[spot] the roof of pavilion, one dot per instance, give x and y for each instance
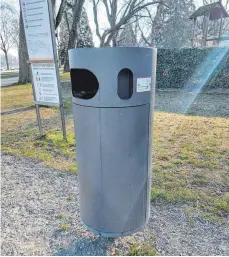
(215, 10)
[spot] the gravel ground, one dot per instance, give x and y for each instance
(34, 196)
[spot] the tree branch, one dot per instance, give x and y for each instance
(60, 13)
(67, 22)
(143, 37)
(108, 12)
(95, 6)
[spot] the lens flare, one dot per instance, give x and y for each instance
(202, 74)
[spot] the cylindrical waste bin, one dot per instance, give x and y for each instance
(113, 92)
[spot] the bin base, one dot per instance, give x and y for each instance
(117, 234)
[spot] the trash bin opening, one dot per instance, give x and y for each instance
(125, 84)
(84, 83)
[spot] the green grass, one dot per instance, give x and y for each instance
(69, 198)
(145, 249)
(65, 76)
(136, 248)
(173, 195)
(61, 215)
(64, 227)
(51, 149)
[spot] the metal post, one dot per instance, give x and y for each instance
(39, 119)
(220, 27)
(36, 105)
(193, 32)
(57, 69)
(205, 32)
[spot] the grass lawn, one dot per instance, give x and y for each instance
(16, 97)
(191, 162)
(191, 152)
(65, 76)
(21, 96)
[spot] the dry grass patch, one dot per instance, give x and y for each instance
(16, 97)
(191, 161)
(21, 96)
(23, 120)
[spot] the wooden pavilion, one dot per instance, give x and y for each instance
(215, 13)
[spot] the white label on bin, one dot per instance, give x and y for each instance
(143, 84)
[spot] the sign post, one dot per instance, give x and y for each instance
(36, 105)
(57, 68)
(41, 44)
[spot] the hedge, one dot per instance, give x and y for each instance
(190, 67)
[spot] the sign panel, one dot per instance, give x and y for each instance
(38, 35)
(45, 83)
(40, 38)
(143, 84)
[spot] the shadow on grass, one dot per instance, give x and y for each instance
(18, 110)
(204, 104)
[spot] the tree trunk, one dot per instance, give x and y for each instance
(7, 61)
(114, 40)
(24, 74)
(74, 30)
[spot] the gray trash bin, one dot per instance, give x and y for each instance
(113, 91)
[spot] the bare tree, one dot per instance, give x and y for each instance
(154, 23)
(15, 30)
(6, 33)
(169, 26)
(117, 17)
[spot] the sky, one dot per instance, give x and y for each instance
(88, 7)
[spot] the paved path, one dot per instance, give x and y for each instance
(34, 196)
(8, 81)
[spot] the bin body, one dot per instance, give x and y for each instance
(113, 94)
